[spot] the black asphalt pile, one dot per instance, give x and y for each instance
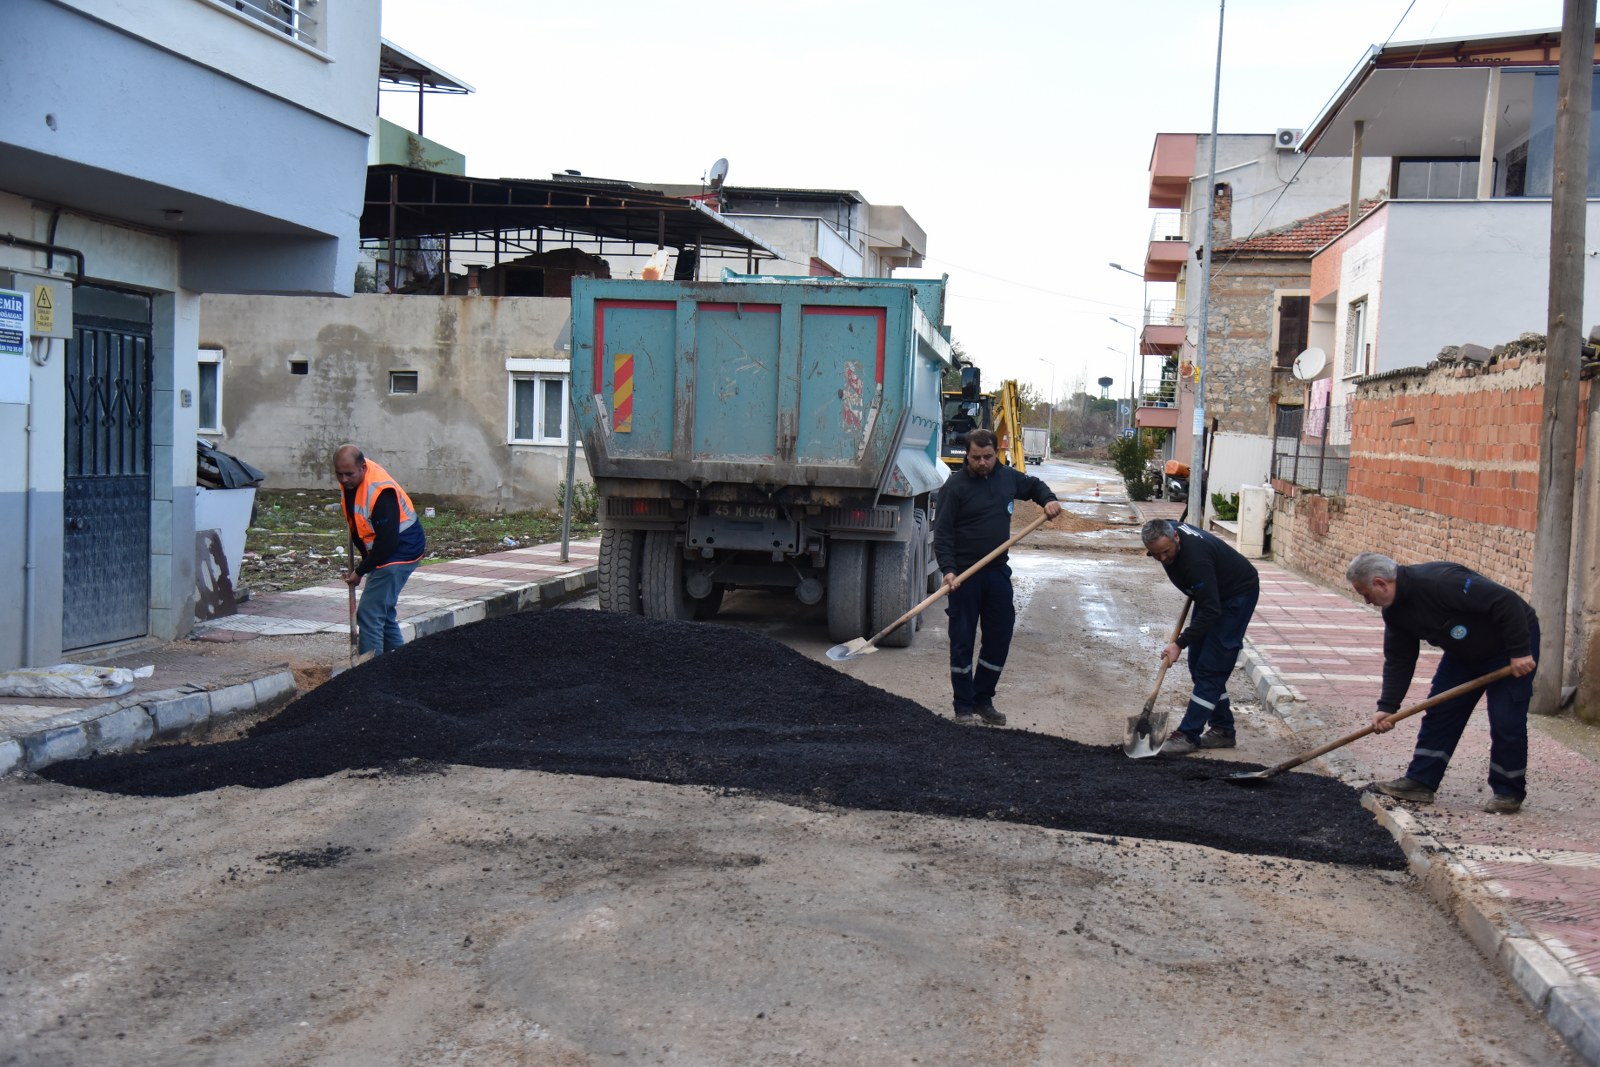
(619, 696)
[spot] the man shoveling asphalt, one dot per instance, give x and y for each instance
(1225, 588)
(1482, 626)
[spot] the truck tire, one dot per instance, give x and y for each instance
(661, 587)
(847, 590)
(895, 581)
(618, 573)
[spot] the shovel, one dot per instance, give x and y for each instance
(866, 646)
(1257, 777)
(1147, 731)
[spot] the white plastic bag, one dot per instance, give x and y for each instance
(70, 680)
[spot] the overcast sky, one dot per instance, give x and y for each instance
(1018, 134)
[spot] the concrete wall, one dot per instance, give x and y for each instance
(1457, 271)
(1258, 172)
(450, 439)
(248, 148)
(334, 77)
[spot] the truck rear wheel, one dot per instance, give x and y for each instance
(618, 573)
(895, 582)
(661, 592)
(847, 590)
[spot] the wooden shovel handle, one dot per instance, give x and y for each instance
(939, 594)
(1150, 702)
(1448, 694)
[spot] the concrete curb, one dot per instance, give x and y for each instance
(131, 722)
(1568, 1002)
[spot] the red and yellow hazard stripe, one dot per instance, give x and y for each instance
(622, 392)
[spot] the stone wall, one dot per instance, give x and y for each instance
(1239, 358)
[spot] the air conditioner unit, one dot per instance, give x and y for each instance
(1286, 139)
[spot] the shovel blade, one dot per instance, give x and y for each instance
(851, 649)
(1146, 734)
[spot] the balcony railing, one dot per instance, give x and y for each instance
(1311, 448)
(1167, 226)
(1164, 313)
(292, 18)
(1162, 394)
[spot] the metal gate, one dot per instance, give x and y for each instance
(106, 499)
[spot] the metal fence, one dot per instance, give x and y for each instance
(1311, 448)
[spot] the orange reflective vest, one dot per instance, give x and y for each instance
(375, 481)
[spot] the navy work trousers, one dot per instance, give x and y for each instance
(1508, 723)
(984, 599)
(1211, 660)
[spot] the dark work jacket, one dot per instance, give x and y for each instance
(1471, 617)
(974, 514)
(1210, 570)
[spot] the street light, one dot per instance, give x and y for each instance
(1144, 316)
(1131, 349)
(1050, 408)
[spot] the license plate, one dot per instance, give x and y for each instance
(765, 512)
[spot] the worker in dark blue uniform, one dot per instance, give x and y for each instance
(1225, 588)
(973, 519)
(1482, 626)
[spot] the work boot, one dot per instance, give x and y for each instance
(990, 714)
(1503, 804)
(1405, 789)
(1179, 743)
(966, 717)
(1218, 739)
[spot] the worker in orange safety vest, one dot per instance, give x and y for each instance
(387, 533)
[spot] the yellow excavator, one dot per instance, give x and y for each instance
(969, 408)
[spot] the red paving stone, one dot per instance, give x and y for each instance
(1543, 865)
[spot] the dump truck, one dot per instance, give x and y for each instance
(768, 432)
(969, 408)
(1035, 444)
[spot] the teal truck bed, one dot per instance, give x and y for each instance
(763, 431)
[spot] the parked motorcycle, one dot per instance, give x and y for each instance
(1175, 481)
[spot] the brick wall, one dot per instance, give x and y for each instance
(1444, 464)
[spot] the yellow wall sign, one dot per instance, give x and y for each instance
(44, 310)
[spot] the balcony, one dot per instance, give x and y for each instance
(1164, 328)
(1158, 407)
(1168, 250)
(1171, 167)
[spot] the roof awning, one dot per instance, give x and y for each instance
(1426, 98)
(397, 65)
(404, 203)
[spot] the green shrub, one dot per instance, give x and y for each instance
(1131, 457)
(1225, 507)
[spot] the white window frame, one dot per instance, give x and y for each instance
(208, 357)
(395, 379)
(1357, 354)
(537, 371)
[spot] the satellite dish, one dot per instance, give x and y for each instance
(1311, 365)
(1192, 337)
(719, 173)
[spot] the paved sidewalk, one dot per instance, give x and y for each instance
(196, 685)
(1525, 887)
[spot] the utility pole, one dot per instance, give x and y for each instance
(1558, 428)
(1197, 469)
